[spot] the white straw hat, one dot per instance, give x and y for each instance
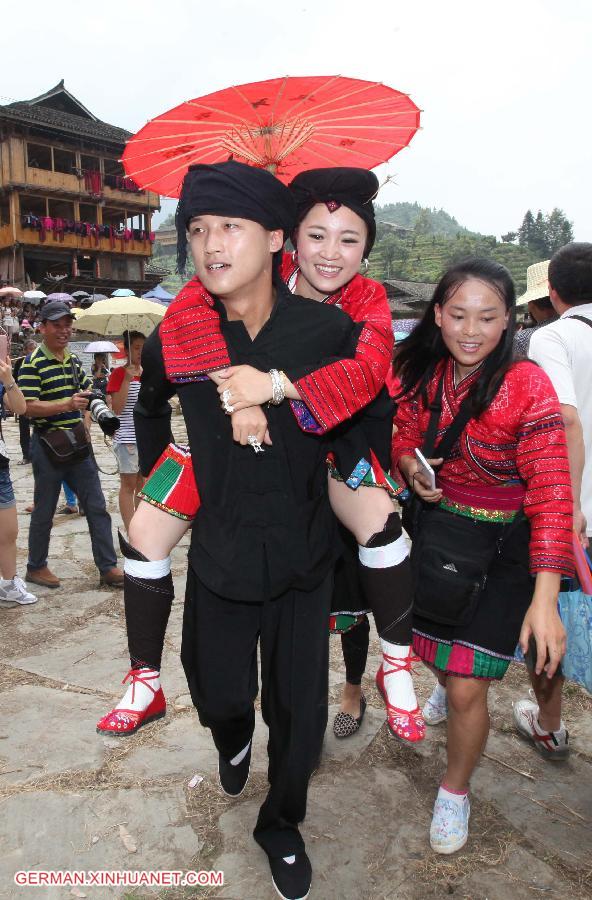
(537, 283)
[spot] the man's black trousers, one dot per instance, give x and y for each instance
(219, 655)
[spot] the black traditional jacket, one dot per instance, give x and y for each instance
(264, 525)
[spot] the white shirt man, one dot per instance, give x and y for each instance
(564, 350)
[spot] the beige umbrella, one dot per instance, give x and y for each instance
(114, 316)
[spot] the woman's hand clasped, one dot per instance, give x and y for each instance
(132, 371)
(246, 386)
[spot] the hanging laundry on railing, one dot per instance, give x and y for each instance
(93, 181)
(58, 229)
(46, 225)
(123, 183)
(31, 221)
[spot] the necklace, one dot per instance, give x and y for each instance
(456, 378)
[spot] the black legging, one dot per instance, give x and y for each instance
(354, 645)
(25, 436)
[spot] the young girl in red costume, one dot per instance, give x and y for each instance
(495, 533)
(336, 230)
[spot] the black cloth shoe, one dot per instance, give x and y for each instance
(233, 779)
(291, 880)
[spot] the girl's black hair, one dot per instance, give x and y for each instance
(129, 336)
(422, 350)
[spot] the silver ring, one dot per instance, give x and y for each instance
(228, 409)
(255, 444)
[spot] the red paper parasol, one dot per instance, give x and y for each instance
(285, 125)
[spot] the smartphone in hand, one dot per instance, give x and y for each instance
(425, 469)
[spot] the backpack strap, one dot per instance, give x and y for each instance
(435, 408)
(582, 319)
(453, 431)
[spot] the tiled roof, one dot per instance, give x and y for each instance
(413, 290)
(55, 120)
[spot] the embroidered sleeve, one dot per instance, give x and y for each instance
(335, 392)
(543, 464)
(407, 431)
(152, 412)
(191, 336)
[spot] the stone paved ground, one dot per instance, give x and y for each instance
(70, 799)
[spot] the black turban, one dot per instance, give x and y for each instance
(338, 186)
(232, 189)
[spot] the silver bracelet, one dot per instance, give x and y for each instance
(9, 387)
(277, 387)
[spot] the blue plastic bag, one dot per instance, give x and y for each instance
(575, 609)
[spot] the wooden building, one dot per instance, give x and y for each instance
(166, 236)
(408, 299)
(69, 218)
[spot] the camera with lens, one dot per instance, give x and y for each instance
(101, 414)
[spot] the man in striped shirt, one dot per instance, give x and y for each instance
(53, 383)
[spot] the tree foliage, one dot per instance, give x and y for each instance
(544, 234)
(428, 241)
(168, 222)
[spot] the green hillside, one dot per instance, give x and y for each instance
(414, 216)
(424, 258)
(431, 241)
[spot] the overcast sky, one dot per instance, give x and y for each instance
(504, 86)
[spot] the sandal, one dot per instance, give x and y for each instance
(344, 724)
(127, 721)
(407, 725)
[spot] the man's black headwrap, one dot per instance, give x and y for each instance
(335, 187)
(232, 189)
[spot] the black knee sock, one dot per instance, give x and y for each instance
(148, 603)
(389, 588)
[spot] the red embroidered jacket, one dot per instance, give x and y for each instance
(519, 438)
(194, 346)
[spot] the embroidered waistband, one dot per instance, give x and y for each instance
(491, 498)
(478, 512)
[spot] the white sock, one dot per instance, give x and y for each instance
(539, 730)
(398, 685)
(290, 859)
(142, 695)
(457, 796)
(240, 756)
(147, 569)
(439, 693)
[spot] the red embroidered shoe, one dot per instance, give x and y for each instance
(127, 721)
(407, 725)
